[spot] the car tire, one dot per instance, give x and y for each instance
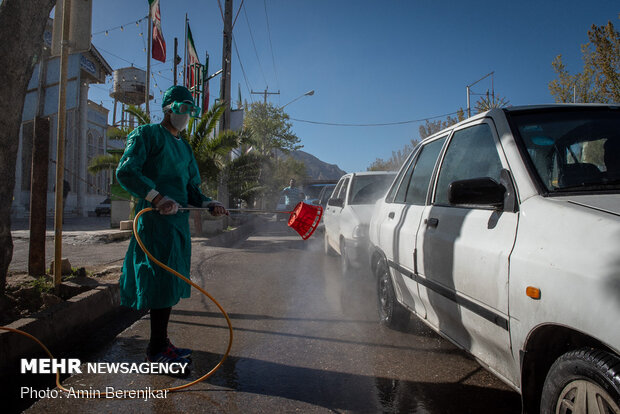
(391, 313)
(582, 379)
(327, 248)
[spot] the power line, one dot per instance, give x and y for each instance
(412, 121)
(273, 59)
(118, 57)
(238, 11)
(254, 44)
(142, 37)
(122, 26)
(133, 64)
(221, 11)
(242, 70)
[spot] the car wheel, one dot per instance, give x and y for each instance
(581, 382)
(391, 313)
(328, 250)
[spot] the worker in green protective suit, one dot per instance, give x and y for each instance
(159, 169)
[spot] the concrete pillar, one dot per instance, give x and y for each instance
(82, 142)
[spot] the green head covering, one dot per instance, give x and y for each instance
(177, 93)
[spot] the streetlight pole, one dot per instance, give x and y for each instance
(309, 93)
(469, 91)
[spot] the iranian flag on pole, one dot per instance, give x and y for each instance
(159, 44)
(192, 59)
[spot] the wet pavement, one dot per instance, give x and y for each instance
(306, 339)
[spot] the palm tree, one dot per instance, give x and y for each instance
(486, 103)
(212, 152)
(246, 176)
(109, 161)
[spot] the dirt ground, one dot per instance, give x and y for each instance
(26, 295)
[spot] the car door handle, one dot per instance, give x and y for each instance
(432, 222)
(391, 215)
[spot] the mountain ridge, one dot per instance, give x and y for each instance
(315, 168)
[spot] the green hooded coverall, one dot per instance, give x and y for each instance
(156, 159)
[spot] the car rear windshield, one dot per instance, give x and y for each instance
(313, 190)
(572, 150)
(367, 189)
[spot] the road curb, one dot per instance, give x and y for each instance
(53, 325)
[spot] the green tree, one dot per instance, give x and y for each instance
(395, 161)
(270, 128)
(212, 151)
(245, 176)
(599, 80)
(269, 168)
(109, 161)
(431, 127)
(284, 169)
(22, 23)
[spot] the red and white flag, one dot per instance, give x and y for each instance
(192, 70)
(159, 44)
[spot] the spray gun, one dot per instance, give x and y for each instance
(304, 218)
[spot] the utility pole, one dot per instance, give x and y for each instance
(226, 56)
(38, 183)
(60, 150)
(177, 59)
(222, 188)
(265, 93)
(468, 87)
(185, 54)
(148, 63)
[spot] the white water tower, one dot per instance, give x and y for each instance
(128, 89)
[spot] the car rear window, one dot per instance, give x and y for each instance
(367, 189)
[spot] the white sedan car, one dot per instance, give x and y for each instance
(348, 213)
(502, 233)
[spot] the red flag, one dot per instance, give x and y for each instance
(159, 44)
(192, 69)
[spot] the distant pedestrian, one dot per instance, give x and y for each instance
(292, 195)
(66, 188)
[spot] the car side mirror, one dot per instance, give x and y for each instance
(482, 191)
(336, 202)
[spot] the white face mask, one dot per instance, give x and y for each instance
(179, 121)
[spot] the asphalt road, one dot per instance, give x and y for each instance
(306, 340)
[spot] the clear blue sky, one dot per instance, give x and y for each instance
(368, 61)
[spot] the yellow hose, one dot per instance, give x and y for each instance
(177, 274)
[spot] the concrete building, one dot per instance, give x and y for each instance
(87, 123)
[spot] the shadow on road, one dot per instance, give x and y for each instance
(349, 392)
